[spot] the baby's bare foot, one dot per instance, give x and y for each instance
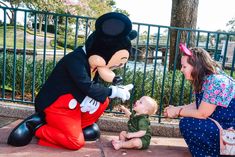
(116, 144)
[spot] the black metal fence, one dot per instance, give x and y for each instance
(27, 55)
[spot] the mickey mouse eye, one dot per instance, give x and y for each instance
(121, 65)
(124, 59)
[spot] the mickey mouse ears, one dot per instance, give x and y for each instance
(113, 25)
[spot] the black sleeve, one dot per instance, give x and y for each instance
(79, 74)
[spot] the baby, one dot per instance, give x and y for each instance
(139, 132)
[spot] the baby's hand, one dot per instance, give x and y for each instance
(125, 110)
(122, 108)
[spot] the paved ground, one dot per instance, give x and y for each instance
(160, 146)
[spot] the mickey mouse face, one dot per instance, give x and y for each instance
(118, 60)
(108, 46)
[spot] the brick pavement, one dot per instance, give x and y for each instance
(160, 146)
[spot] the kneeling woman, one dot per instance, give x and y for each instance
(215, 92)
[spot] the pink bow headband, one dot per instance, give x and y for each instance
(185, 50)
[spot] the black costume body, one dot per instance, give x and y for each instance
(74, 76)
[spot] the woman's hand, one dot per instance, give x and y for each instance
(171, 111)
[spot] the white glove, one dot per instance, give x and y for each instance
(89, 105)
(121, 92)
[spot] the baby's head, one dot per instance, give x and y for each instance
(145, 105)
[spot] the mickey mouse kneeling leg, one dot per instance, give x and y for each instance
(23, 133)
(66, 124)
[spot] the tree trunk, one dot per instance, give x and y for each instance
(12, 19)
(40, 20)
(13, 5)
(184, 15)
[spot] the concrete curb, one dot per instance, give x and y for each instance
(106, 123)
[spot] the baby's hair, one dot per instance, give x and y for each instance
(154, 106)
(203, 65)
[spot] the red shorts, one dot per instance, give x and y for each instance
(65, 121)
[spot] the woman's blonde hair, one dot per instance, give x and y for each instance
(203, 65)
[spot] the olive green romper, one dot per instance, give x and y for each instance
(140, 122)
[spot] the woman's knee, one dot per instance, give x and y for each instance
(186, 123)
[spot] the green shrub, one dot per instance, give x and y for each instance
(142, 86)
(29, 74)
(156, 90)
(69, 42)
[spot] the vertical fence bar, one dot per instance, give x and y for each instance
(216, 45)
(207, 40)
(86, 32)
(155, 61)
(34, 56)
(55, 39)
(164, 77)
(14, 58)
(76, 33)
(44, 50)
(232, 70)
(225, 51)
(181, 89)
(4, 55)
(24, 57)
(198, 37)
(124, 73)
(175, 62)
(65, 35)
(146, 61)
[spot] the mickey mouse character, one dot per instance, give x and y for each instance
(72, 100)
